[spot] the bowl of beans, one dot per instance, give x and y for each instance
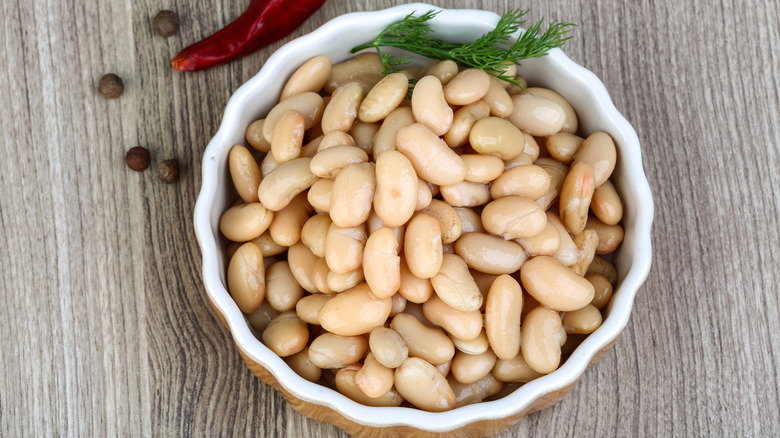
(439, 262)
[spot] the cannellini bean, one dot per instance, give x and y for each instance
(567, 252)
(354, 312)
(467, 87)
(327, 163)
(314, 231)
(341, 282)
(413, 288)
(482, 168)
(469, 393)
(365, 68)
(300, 363)
(514, 370)
(543, 336)
(330, 350)
(466, 194)
(555, 285)
(388, 347)
(254, 136)
(285, 229)
(528, 181)
(245, 173)
(502, 316)
(268, 165)
(498, 99)
(460, 325)
(449, 220)
(599, 151)
(396, 188)
(469, 368)
(286, 334)
(335, 138)
(571, 124)
(606, 204)
(260, 318)
(496, 136)
(545, 243)
(288, 136)
(513, 217)
(284, 183)
(602, 266)
(381, 263)
(386, 95)
(424, 195)
(477, 345)
(311, 76)
(462, 122)
(374, 379)
(245, 222)
(246, 277)
(586, 243)
(319, 276)
(583, 321)
(602, 290)
(308, 307)
(490, 254)
(470, 220)
(609, 236)
(384, 140)
(308, 103)
(562, 146)
(576, 194)
(346, 384)
(302, 261)
(281, 289)
(455, 285)
(364, 134)
(423, 246)
(536, 115)
(445, 71)
(432, 159)
(428, 343)
(352, 195)
(344, 248)
(342, 109)
(422, 385)
(429, 106)
(319, 194)
(374, 223)
(267, 245)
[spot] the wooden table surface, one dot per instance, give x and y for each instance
(106, 329)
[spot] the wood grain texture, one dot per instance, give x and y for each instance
(106, 328)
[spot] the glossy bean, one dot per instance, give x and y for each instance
(346, 384)
(543, 336)
(354, 312)
(490, 254)
(470, 220)
(554, 285)
(563, 145)
(449, 220)
(428, 343)
(314, 232)
(267, 245)
(341, 282)
(308, 307)
(467, 87)
(513, 217)
(308, 104)
(384, 97)
(319, 194)
(246, 277)
(288, 136)
(262, 316)
(475, 392)
(567, 252)
(352, 195)
(482, 168)
(245, 222)
(286, 334)
(281, 289)
(381, 263)
(422, 385)
(423, 246)
(384, 140)
(429, 106)
(586, 243)
(536, 115)
(583, 321)
(469, 368)
(364, 68)
(606, 204)
(424, 195)
(254, 136)
(413, 288)
(528, 181)
(545, 243)
(286, 227)
(335, 138)
(285, 182)
(496, 136)
(244, 172)
(327, 163)
(498, 99)
(599, 151)
(466, 194)
(455, 286)
(364, 133)
(432, 159)
(344, 248)
(300, 363)
(302, 261)
(396, 188)
(602, 290)
(388, 347)
(462, 122)
(319, 276)
(330, 350)
(502, 316)
(461, 325)
(373, 378)
(311, 76)
(602, 266)
(571, 124)
(576, 194)
(514, 370)
(477, 345)
(342, 109)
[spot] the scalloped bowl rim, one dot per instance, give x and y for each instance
(567, 374)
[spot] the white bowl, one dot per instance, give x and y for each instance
(596, 111)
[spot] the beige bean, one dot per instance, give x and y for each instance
(422, 385)
(396, 188)
(413, 288)
(267, 245)
(285, 229)
(245, 222)
(545, 243)
(513, 217)
(536, 115)
(319, 194)
(244, 172)
(571, 124)
(449, 220)
(563, 146)
(424, 195)
(327, 163)
(300, 363)
(602, 290)
(330, 350)
(469, 368)
(399, 304)
(432, 159)
(302, 261)
(319, 276)
(467, 87)
(531, 146)
(281, 289)
(606, 204)
(470, 220)
(520, 88)
(308, 103)
(462, 122)
(347, 385)
(460, 325)
(381, 263)
(286, 334)
(344, 248)
(352, 195)
(364, 68)
(490, 254)
(268, 165)
(423, 246)
(354, 312)
(514, 370)
(373, 378)
(415, 309)
(429, 106)
(314, 231)
(342, 109)
(599, 151)
(609, 236)
(521, 160)
(555, 285)
(384, 140)
(388, 347)
(470, 393)
(364, 134)
(260, 318)
(429, 343)
(254, 136)
(308, 307)
(576, 194)
(583, 321)
(567, 252)
(455, 285)
(311, 76)
(374, 222)
(602, 266)
(586, 243)
(543, 336)
(496, 136)
(477, 345)
(384, 97)
(502, 316)
(498, 99)
(466, 194)
(288, 136)
(528, 181)
(246, 277)
(279, 187)
(341, 282)
(335, 138)
(482, 168)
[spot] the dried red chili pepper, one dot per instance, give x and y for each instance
(264, 22)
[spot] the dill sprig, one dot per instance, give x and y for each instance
(491, 52)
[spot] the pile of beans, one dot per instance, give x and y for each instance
(430, 250)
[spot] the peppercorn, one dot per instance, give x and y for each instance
(137, 158)
(111, 86)
(168, 171)
(166, 23)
